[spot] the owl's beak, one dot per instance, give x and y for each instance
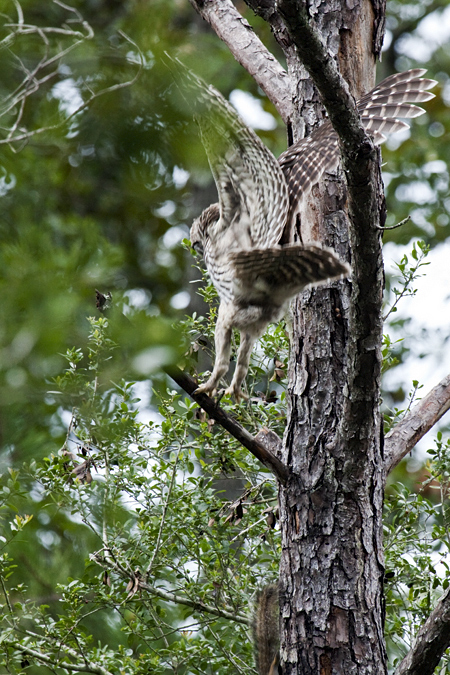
(197, 246)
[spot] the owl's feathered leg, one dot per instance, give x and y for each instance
(243, 360)
(223, 350)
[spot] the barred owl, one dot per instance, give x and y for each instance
(259, 197)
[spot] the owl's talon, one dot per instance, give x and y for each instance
(204, 389)
(237, 393)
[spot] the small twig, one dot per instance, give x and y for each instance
(252, 444)
(228, 655)
(105, 504)
(408, 279)
(164, 515)
(238, 536)
(26, 29)
(394, 227)
(412, 398)
(51, 662)
(5, 593)
(19, 12)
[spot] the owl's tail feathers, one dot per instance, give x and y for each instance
(271, 276)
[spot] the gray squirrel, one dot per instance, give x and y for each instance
(266, 631)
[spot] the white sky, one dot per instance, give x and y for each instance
(428, 309)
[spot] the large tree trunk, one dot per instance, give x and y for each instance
(331, 569)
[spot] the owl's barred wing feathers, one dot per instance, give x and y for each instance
(304, 162)
(253, 194)
(393, 98)
(259, 196)
(270, 275)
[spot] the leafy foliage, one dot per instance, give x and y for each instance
(417, 544)
(134, 531)
(173, 522)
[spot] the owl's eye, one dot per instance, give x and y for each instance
(197, 246)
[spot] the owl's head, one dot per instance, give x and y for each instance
(200, 227)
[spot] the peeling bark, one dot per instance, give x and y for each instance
(332, 560)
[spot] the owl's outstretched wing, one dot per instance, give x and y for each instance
(253, 193)
(258, 196)
(304, 162)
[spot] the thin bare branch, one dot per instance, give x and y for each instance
(403, 437)
(26, 29)
(431, 642)
(394, 227)
(164, 514)
(5, 593)
(19, 12)
(53, 662)
(252, 443)
(199, 606)
(141, 584)
(249, 51)
(26, 135)
(33, 79)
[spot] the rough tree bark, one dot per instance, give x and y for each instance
(331, 567)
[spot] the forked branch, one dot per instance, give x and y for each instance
(333, 89)
(55, 43)
(248, 50)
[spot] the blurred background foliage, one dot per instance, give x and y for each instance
(102, 199)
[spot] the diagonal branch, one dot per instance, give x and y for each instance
(197, 605)
(361, 166)
(258, 445)
(138, 582)
(403, 437)
(431, 642)
(248, 50)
